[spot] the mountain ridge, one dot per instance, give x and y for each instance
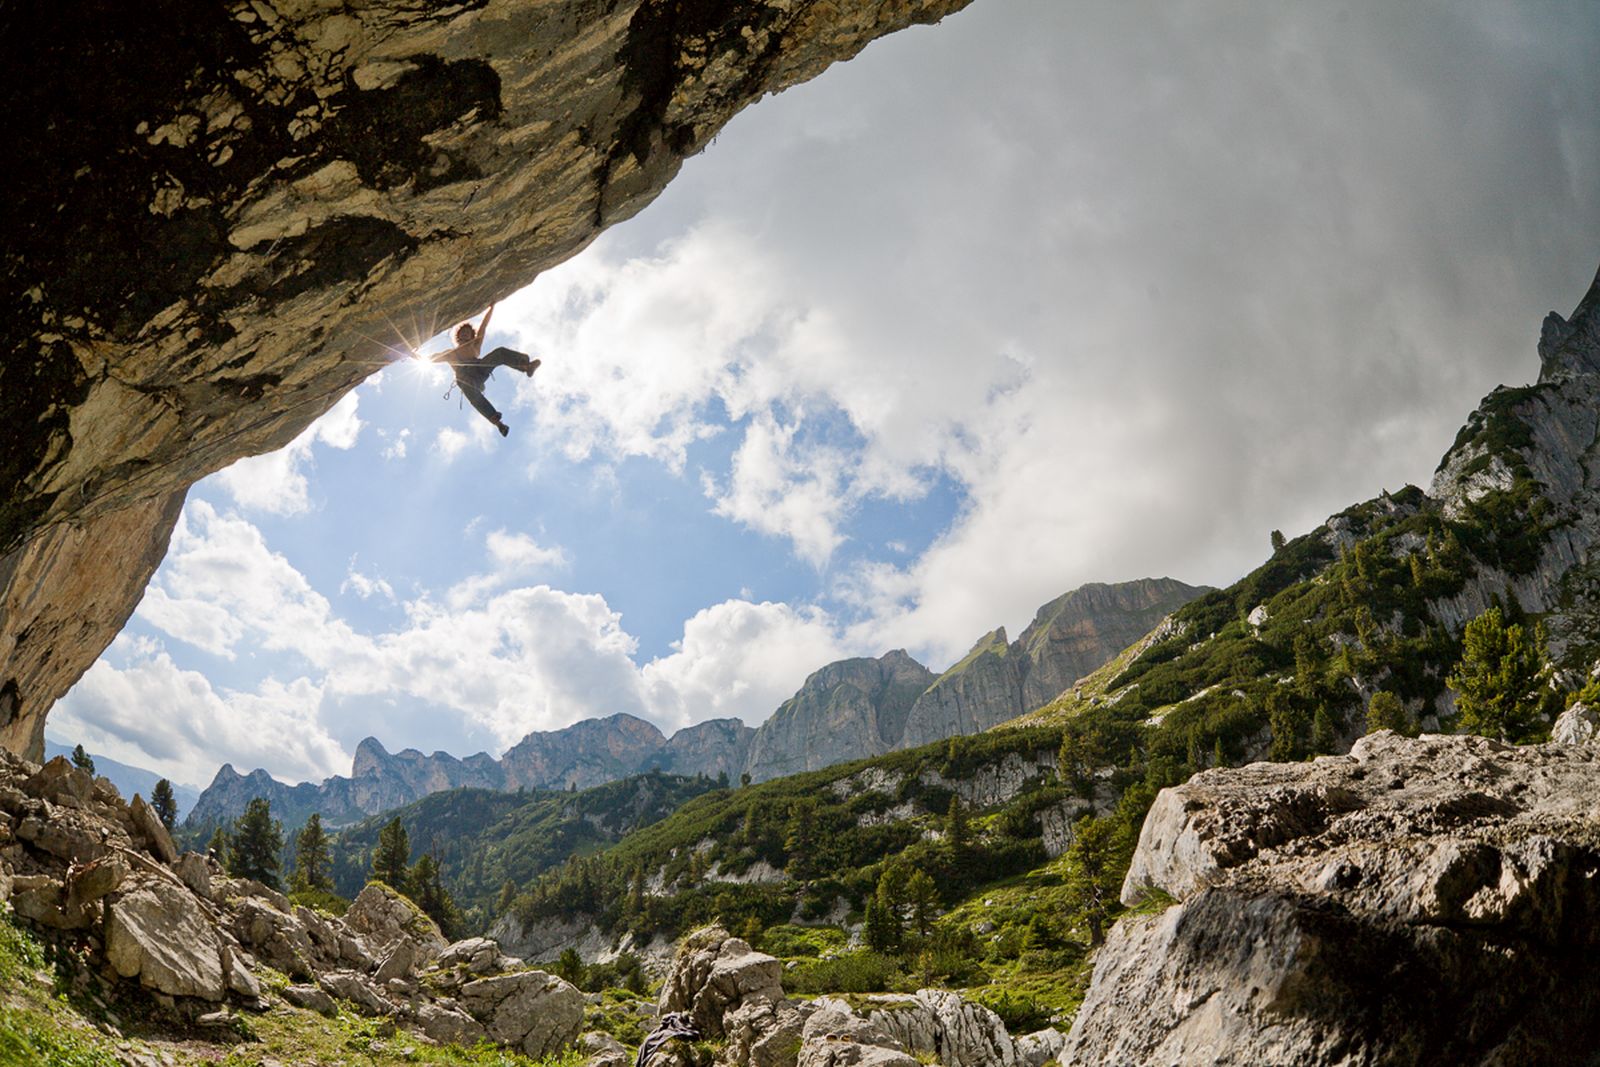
(844, 710)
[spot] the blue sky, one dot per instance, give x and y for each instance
(1043, 295)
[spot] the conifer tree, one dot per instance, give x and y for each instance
(427, 890)
(1288, 724)
(392, 858)
(1324, 739)
(1278, 541)
(82, 760)
(311, 861)
(570, 966)
(1305, 667)
(801, 842)
(923, 897)
(882, 930)
(257, 841)
(508, 894)
(1498, 679)
(1386, 712)
(958, 826)
(164, 803)
(1094, 871)
(218, 845)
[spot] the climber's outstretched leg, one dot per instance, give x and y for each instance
(510, 357)
(481, 405)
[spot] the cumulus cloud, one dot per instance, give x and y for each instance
(152, 713)
(276, 482)
(740, 659)
(512, 556)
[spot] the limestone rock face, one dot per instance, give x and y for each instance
(711, 748)
(535, 1012)
(1323, 905)
(157, 932)
(735, 993)
(846, 710)
(1070, 637)
(586, 753)
(220, 248)
(384, 918)
(1577, 725)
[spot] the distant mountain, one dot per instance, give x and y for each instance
(129, 780)
(1069, 638)
(844, 711)
(585, 754)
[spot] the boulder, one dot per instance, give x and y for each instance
(448, 1024)
(1576, 726)
(382, 917)
(44, 900)
(347, 985)
(275, 936)
(195, 872)
(156, 930)
(1040, 1047)
(153, 830)
(1323, 905)
(311, 998)
(399, 962)
(476, 955)
(735, 993)
(603, 1050)
(58, 780)
(937, 1021)
(73, 836)
(95, 880)
(531, 1011)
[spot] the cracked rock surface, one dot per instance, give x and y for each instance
(211, 235)
(1420, 901)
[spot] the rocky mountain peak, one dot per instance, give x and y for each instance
(1572, 346)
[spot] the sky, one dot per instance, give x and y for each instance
(1047, 294)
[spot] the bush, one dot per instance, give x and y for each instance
(864, 971)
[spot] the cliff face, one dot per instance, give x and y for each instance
(1068, 638)
(1322, 907)
(211, 234)
(584, 754)
(839, 714)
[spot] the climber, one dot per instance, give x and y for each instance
(473, 370)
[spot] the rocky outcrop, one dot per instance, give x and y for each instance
(713, 748)
(1322, 906)
(1542, 440)
(589, 752)
(242, 212)
(86, 868)
(1068, 638)
(734, 994)
(847, 710)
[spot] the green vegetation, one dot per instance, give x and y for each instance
(165, 804)
(311, 857)
(1500, 680)
(391, 862)
(82, 760)
(256, 842)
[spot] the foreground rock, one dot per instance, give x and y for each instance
(1325, 909)
(95, 874)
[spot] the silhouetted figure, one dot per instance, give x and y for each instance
(473, 370)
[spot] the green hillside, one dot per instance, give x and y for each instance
(483, 839)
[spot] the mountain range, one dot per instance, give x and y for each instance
(844, 711)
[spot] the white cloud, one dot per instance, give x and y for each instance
(364, 586)
(152, 713)
(785, 490)
(512, 557)
(276, 482)
(740, 659)
(396, 447)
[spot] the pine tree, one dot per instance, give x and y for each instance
(427, 890)
(391, 861)
(1094, 871)
(164, 803)
(1418, 575)
(958, 826)
(1278, 541)
(923, 897)
(570, 966)
(82, 760)
(1324, 739)
(508, 894)
(311, 861)
(1288, 724)
(257, 841)
(1219, 755)
(1498, 679)
(1385, 712)
(801, 842)
(217, 847)
(882, 932)
(1305, 667)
